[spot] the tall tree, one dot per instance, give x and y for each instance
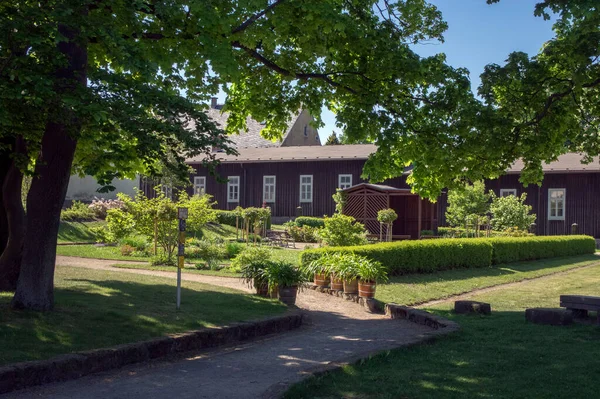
(111, 87)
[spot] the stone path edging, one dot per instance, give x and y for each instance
(76, 365)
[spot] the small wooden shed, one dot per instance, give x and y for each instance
(415, 214)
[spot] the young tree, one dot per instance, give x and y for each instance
(467, 205)
(510, 212)
(332, 139)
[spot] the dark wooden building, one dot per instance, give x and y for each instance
(289, 177)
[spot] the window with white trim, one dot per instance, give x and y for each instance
(306, 188)
(269, 188)
(344, 181)
(505, 192)
(556, 203)
(233, 189)
(199, 185)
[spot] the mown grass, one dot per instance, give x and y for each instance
(69, 232)
(114, 253)
(188, 269)
(98, 309)
(418, 288)
(497, 356)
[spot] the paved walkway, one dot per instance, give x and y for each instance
(336, 331)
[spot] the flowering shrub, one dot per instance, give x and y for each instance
(101, 206)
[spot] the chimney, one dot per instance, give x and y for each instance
(213, 102)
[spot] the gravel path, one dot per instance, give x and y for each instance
(335, 332)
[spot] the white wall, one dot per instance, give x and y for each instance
(84, 189)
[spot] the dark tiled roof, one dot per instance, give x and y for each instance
(301, 153)
(570, 162)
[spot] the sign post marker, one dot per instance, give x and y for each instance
(182, 214)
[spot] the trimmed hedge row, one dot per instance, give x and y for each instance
(425, 256)
(309, 221)
(515, 249)
(228, 218)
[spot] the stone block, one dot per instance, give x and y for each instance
(549, 316)
(466, 307)
(159, 347)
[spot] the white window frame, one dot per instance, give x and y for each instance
(310, 185)
(199, 185)
(564, 203)
(230, 198)
(346, 185)
(265, 185)
(505, 192)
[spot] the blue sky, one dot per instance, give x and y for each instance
(479, 34)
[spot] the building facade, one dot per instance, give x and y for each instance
(307, 177)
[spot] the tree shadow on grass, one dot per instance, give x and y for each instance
(494, 271)
(94, 313)
(500, 356)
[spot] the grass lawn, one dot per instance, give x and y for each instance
(418, 288)
(498, 356)
(187, 269)
(98, 309)
(114, 253)
(92, 251)
(77, 231)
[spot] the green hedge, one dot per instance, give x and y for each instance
(309, 221)
(406, 257)
(515, 249)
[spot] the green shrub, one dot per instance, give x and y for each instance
(405, 257)
(426, 232)
(309, 221)
(77, 212)
(302, 234)
(433, 255)
(250, 256)
(138, 243)
(127, 250)
(233, 249)
(515, 249)
(343, 230)
(511, 212)
(119, 224)
(101, 234)
(211, 253)
(162, 260)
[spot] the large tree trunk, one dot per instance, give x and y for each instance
(35, 288)
(10, 260)
(4, 166)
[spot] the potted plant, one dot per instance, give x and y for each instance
(284, 279)
(330, 263)
(319, 269)
(346, 269)
(370, 273)
(253, 275)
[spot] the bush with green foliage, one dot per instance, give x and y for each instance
(77, 212)
(515, 249)
(162, 260)
(200, 210)
(427, 256)
(119, 224)
(342, 230)
(228, 218)
(510, 212)
(250, 255)
(302, 221)
(212, 253)
(233, 249)
(101, 234)
(426, 232)
(468, 206)
(302, 234)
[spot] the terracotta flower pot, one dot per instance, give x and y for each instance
(366, 289)
(337, 284)
(288, 295)
(262, 287)
(351, 286)
(322, 280)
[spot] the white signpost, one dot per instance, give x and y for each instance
(182, 214)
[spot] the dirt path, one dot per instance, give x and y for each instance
(336, 331)
(498, 287)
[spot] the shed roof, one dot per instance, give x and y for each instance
(377, 187)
